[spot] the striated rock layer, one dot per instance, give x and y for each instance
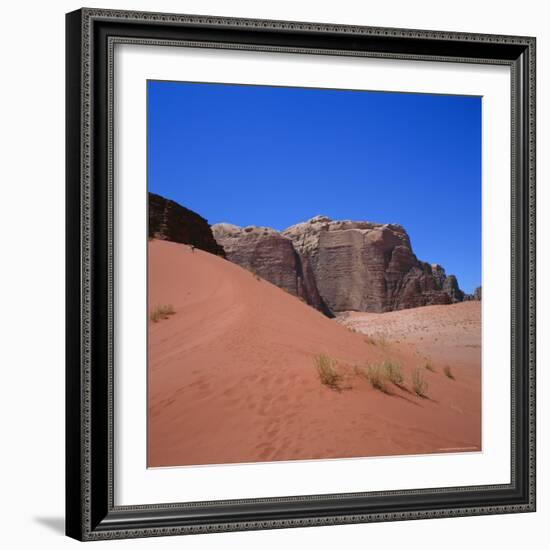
(339, 266)
(271, 256)
(170, 221)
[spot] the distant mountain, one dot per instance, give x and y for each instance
(475, 296)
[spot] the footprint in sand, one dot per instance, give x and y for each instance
(232, 402)
(228, 392)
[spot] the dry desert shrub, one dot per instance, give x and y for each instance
(420, 386)
(381, 340)
(377, 377)
(430, 367)
(393, 372)
(161, 312)
(448, 373)
(326, 368)
(377, 339)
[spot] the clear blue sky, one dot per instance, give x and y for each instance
(260, 155)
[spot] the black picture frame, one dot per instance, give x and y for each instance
(90, 510)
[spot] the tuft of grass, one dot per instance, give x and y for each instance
(448, 372)
(161, 312)
(430, 367)
(377, 339)
(377, 377)
(393, 372)
(420, 386)
(326, 368)
(382, 340)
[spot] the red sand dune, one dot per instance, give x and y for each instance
(232, 376)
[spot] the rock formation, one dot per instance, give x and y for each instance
(171, 222)
(475, 296)
(334, 266)
(340, 266)
(272, 256)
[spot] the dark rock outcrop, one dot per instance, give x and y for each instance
(340, 266)
(447, 283)
(450, 286)
(172, 222)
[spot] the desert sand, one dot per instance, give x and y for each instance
(231, 375)
(445, 334)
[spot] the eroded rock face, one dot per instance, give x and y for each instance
(334, 266)
(261, 250)
(340, 266)
(172, 222)
(364, 266)
(272, 256)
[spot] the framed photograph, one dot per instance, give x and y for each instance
(300, 274)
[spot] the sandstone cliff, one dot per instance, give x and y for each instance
(340, 266)
(334, 266)
(171, 222)
(273, 257)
